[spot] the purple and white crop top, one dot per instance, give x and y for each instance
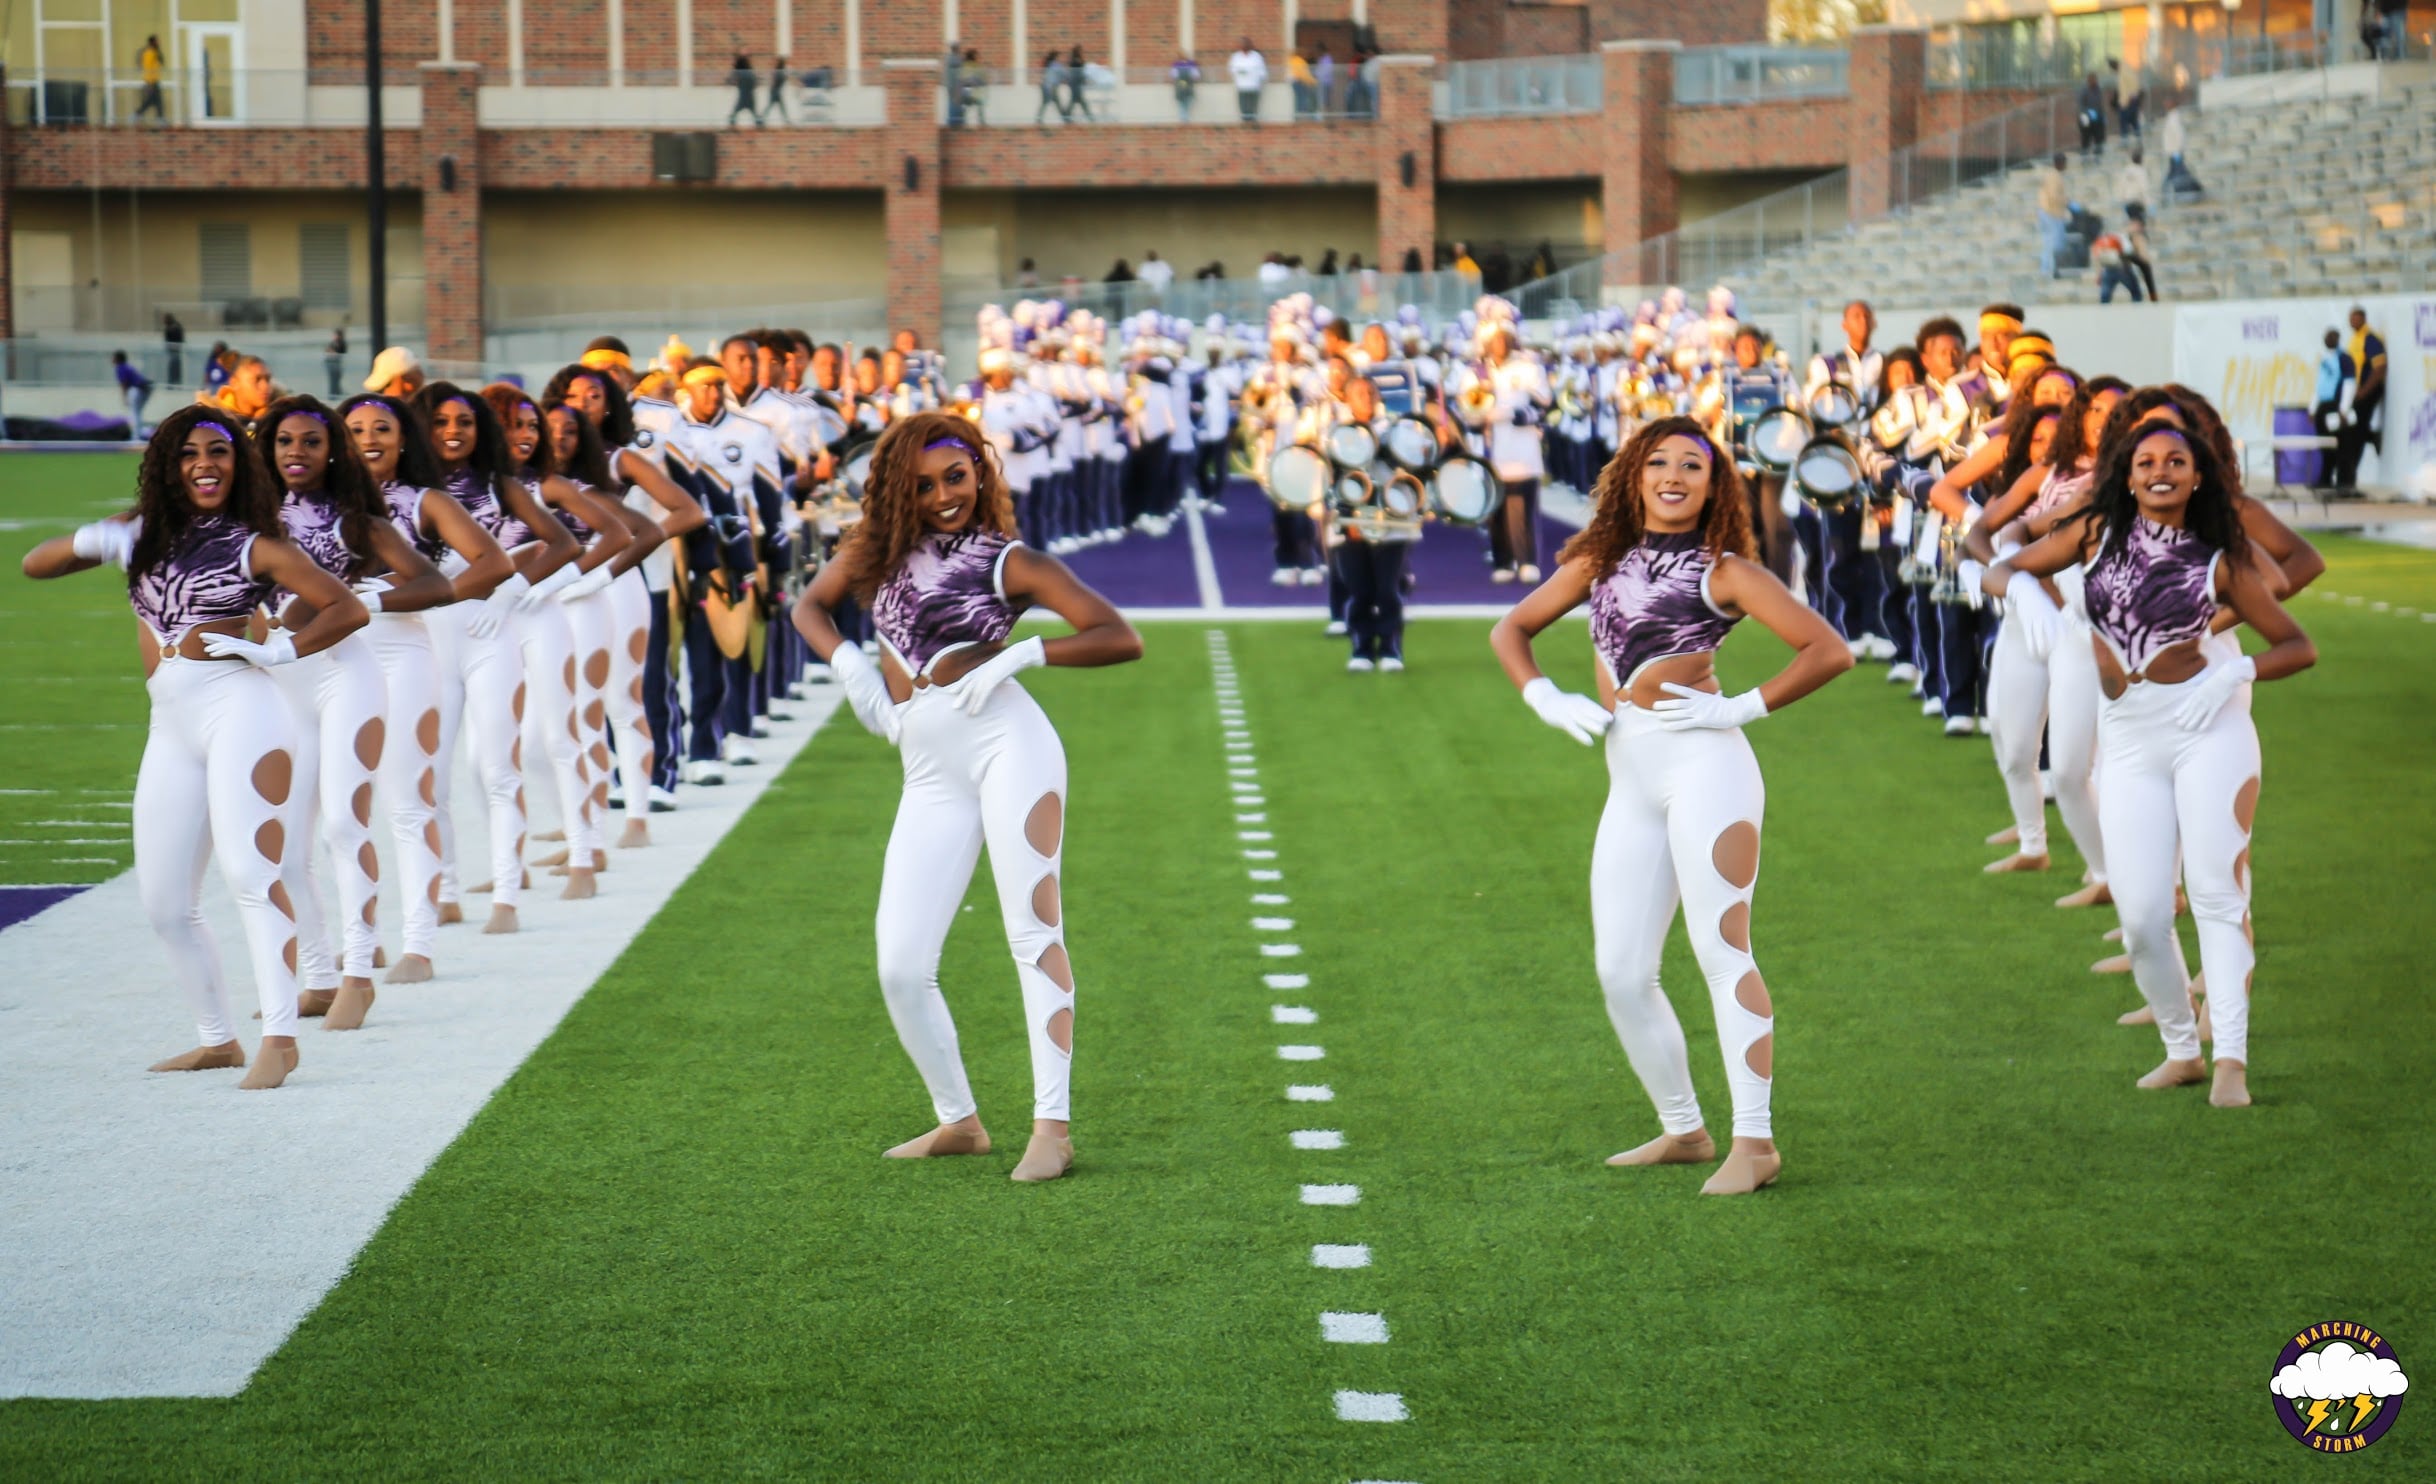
(314, 524)
(568, 518)
(406, 513)
(1655, 605)
(2154, 591)
(481, 501)
(2058, 491)
(206, 577)
(949, 592)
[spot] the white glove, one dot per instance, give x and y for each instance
(2027, 604)
(866, 692)
(279, 649)
(1577, 716)
(538, 593)
(1694, 709)
(2349, 417)
(111, 541)
(2210, 690)
(973, 691)
(1974, 574)
(588, 583)
(370, 590)
(497, 606)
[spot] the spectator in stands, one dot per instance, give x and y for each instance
(2054, 212)
(1463, 262)
(777, 95)
(1155, 275)
(1542, 262)
(1027, 276)
(1053, 88)
(1305, 86)
(215, 368)
(2131, 182)
(2135, 249)
(1412, 261)
(1328, 267)
(1273, 271)
(747, 84)
(334, 360)
(1366, 285)
(951, 78)
(1362, 86)
(2367, 352)
(2129, 91)
(1121, 273)
(2091, 111)
(1076, 75)
(1323, 73)
(1497, 271)
(2113, 272)
(148, 64)
(396, 373)
(1249, 71)
(2336, 412)
(975, 81)
(173, 335)
(248, 389)
(1184, 74)
(135, 386)
(1210, 271)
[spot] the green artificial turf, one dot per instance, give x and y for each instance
(668, 1248)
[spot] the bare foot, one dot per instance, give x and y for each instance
(1694, 1148)
(1749, 1164)
(2114, 935)
(311, 1002)
(2006, 836)
(2095, 894)
(580, 887)
(503, 920)
(2117, 964)
(554, 858)
(965, 1136)
(204, 1059)
(272, 1066)
(479, 889)
(2232, 1089)
(2013, 863)
(1049, 1155)
(600, 860)
(451, 912)
(2207, 1026)
(636, 834)
(2172, 1073)
(348, 1010)
(2142, 1016)
(414, 968)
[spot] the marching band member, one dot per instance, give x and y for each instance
(746, 359)
(1274, 395)
(478, 690)
(1184, 426)
(1755, 382)
(1665, 564)
(337, 699)
(1505, 396)
(1221, 385)
(1104, 433)
(1851, 580)
(2161, 549)
(1903, 404)
(203, 549)
(937, 560)
(1012, 422)
(736, 466)
(396, 451)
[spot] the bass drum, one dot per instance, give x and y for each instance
(1297, 477)
(1827, 473)
(1777, 438)
(1352, 446)
(1463, 492)
(828, 428)
(1402, 496)
(1834, 405)
(854, 466)
(1411, 445)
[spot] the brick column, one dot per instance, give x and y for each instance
(452, 215)
(910, 171)
(1405, 139)
(1882, 114)
(8, 278)
(1637, 181)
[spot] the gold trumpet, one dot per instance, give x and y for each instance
(1478, 400)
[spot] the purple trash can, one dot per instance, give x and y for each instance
(2301, 468)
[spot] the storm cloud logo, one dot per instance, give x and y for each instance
(2338, 1387)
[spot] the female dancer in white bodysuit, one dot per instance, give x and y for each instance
(601, 621)
(936, 562)
(338, 698)
(552, 661)
(203, 550)
(485, 686)
(2161, 550)
(1665, 564)
(397, 453)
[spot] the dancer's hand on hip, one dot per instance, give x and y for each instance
(1577, 716)
(973, 691)
(866, 692)
(1693, 710)
(279, 649)
(2210, 689)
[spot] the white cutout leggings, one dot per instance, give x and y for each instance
(2168, 790)
(196, 798)
(409, 769)
(2056, 696)
(630, 614)
(334, 699)
(2017, 715)
(592, 621)
(548, 641)
(482, 694)
(969, 780)
(1671, 797)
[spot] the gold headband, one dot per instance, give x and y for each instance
(1989, 322)
(704, 375)
(607, 360)
(2026, 346)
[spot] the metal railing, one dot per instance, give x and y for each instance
(1760, 74)
(686, 308)
(2000, 58)
(135, 309)
(1359, 296)
(1000, 97)
(1523, 86)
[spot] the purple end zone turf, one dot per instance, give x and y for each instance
(17, 903)
(1450, 562)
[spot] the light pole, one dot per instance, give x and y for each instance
(376, 195)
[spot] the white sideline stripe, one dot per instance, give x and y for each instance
(1332, 1195)
(1254, 836)
(1370, 1406)
(163, 1235)
(1270, 899)
(1254, 798)
(1353, 1329)
(1273, 924)
(1303, 1093)
(1293, 1015)
(1286, 981)
(1258, 816)
(1205, 566)
(1244, 788)
(1250, 855)
(1281, 950)
(1317, 1138)
(1300, 1053)
(1243, 772)
(1266, 875)
(1333, 1255)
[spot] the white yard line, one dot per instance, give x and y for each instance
(163, 1234)
(1205, 567)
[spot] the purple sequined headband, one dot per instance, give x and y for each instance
(219, 428)
(952, 443)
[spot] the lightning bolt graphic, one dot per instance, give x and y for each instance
(2363, 1405)
(2317, 1416)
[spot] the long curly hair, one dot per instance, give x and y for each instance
(2071, 449)
(2210, 515)
(2211, 426)
(617, 413)
(2017, 450)
(590, 466)
(346, 483)
(1618, 519)
(892, 513)
(507, 399)
(160, 495)
(490, 459)
(418, 467)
